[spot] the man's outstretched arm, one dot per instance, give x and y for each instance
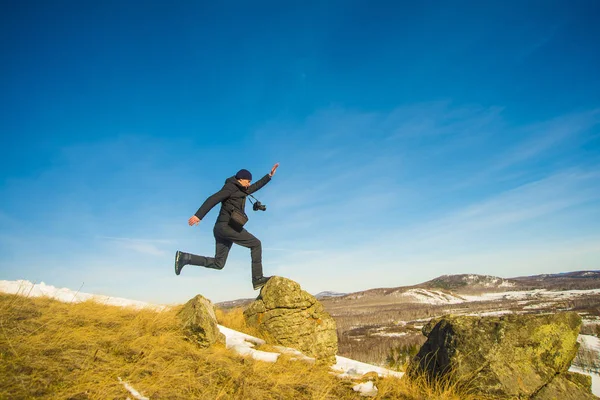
(208, 205)
(262, 181)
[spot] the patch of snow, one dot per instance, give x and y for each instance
(537, 306)
(490, 313)
(351, 368)
(366, 388)
(431, 297)
(321, 295)
(532, 295)
(390, 334)
(136, 395)
(28, 289)
(591, 342)
(243, 344)
(297, 355)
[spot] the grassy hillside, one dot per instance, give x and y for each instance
(55, 350)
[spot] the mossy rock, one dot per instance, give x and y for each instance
(199, 322)
(512, 356)
(291, 317)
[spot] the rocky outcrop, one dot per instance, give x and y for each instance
(291, 317)
(200, 323)
(515, 356)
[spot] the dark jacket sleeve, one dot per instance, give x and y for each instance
(213, 201)
(258, 184)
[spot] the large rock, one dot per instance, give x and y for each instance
(200, 323)
(291, 317)
(514, 356)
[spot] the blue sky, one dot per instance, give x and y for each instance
(415, 139)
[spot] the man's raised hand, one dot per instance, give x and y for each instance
(193, 220)
(274, 169)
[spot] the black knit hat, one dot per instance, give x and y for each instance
(243, 174)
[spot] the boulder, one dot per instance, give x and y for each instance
(289, 316)
(513, 356)
(199, 322)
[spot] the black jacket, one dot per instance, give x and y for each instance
(232, 195)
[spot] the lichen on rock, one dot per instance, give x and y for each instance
(513, 356)
(199, 322)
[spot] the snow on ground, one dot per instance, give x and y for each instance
(490, 313)
(591, 342)
(345, 368)
(431, 297)
(352, 368)
(390, 334)
(136, 395)
(29, 289)
(537, 294)
(537, 306)
(437, 297)
(366, 388)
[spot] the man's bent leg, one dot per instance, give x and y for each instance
(246, 239)
(222, 248)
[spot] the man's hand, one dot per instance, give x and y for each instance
(274, 169)
(193, 220)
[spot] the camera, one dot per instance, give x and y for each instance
(259, 206)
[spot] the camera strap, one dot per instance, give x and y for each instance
(255, 199)
(232, 208)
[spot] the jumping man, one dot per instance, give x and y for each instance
(233, 199)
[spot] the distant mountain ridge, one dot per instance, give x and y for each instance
(448, 287)
(470, 283)
(563, 275)
(563, 281)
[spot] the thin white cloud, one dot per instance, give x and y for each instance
(526, 202)
(440, 119)
(541, 137)
(143, 246)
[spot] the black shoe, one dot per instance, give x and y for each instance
(179, 262)
(257, 283)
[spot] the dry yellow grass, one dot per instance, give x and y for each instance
(54, 350)
(234, 318)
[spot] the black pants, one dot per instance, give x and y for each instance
(225, 236)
